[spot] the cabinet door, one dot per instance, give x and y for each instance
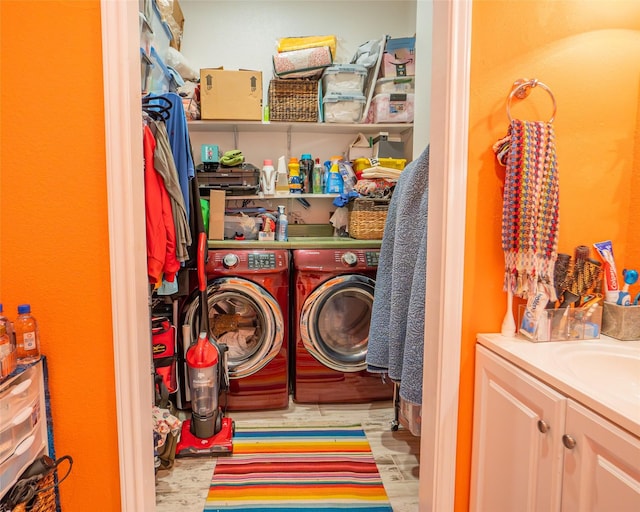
(602, 469)
(517, 432)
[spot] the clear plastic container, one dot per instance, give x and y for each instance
(344, 78)
(27, 336)
(343, 107)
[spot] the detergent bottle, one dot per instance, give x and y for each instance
(295, 181)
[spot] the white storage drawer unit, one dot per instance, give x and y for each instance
(23, 423)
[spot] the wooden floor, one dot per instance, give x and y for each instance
(184, 487)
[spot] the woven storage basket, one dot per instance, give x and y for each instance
(293, 100)
(367, 218)
(44, 501)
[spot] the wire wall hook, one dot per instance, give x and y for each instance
(521, 89)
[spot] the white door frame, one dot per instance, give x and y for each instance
(130, 303)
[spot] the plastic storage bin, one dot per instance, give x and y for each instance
(394, 84)
(391, 108)
(344, 78)
(562, 324)
(343, 108)
(360, 164)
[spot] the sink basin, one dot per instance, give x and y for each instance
(605, 368)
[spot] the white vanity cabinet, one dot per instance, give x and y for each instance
(601, 464)
(536, 449)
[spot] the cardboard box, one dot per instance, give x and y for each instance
(230, 95)
(388, 146)
(177, 28)
(216, 214)
(360, 148)
(399, 58)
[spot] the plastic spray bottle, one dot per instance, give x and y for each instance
(282, 225)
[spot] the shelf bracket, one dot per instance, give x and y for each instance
(289, 141)
(235, 137)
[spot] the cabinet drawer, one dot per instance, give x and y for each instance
(24, 454)
(18, 392)
(19, 428)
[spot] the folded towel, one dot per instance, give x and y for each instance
(396, 332)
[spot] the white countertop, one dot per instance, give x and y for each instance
(602, 374)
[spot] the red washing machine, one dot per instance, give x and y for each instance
(332, 312)
(248, 303)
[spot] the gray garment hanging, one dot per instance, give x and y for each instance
(396, 332)
(164, 164)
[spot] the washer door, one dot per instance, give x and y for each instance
(334, 322)
(245, 317)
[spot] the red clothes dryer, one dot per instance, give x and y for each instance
(248, 304)
(332, 303)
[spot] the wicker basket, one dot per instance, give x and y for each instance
(367, 218)
(44, 501)
(293, 100)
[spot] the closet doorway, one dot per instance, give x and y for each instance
(450, 79)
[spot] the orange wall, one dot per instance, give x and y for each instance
(588, 53)
(53, 205)
(53, 226)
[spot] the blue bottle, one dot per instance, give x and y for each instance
(334, 184)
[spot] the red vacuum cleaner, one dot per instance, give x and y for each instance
(208, 432)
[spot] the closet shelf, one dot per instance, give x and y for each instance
(292, 127)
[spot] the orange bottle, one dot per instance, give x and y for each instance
(27, 335)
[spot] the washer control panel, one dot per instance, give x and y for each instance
(262, 260)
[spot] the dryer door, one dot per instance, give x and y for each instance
(245, 317)
(334, 322)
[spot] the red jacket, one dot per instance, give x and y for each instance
(161, 231)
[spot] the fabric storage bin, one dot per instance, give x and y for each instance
(391, 108)
(394, 84)
(293, 100)
(347, 78)
(367, 218)
(305, 63)
(343, 107)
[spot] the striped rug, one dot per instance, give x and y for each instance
(318, 469)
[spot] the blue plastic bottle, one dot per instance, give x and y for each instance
(335, 184)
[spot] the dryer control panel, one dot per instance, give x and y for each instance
(372, 258)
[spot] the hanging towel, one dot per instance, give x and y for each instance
(530, 212)
(396, 332)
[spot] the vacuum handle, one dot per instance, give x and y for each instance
(202, 251)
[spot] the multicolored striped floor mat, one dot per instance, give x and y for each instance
(317, 469)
